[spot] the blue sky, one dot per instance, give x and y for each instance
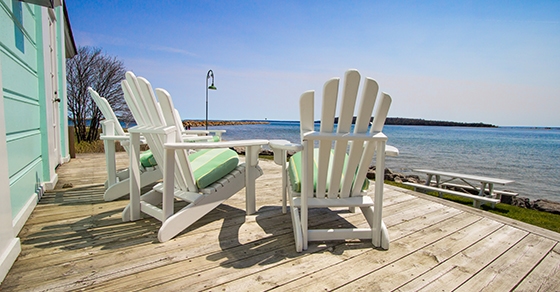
(486, 61)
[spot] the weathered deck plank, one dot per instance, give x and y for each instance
(370, 259)
(271, 278)
(425, 259)
(75, 241)
(457, 255)
(505, 273)
(545, 276)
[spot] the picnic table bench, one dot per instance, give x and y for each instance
(486, 192)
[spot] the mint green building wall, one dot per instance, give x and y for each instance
(22, 110)
(27, 104)
(25, 98)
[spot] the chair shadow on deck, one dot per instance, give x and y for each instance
(242, 245)
(90, 222)
(275, 241)
(100, 224)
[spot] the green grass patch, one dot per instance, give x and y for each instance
(538, 218)
(266, 157)
(90, 147)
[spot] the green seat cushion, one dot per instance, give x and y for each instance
(295, 170)
(147, 159)
(210, 165)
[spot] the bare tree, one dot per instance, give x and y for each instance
(91, 67)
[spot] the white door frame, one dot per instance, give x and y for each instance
(52, 101)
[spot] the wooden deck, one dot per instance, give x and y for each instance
(76, 241)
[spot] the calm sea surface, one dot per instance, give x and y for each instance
(530, 157)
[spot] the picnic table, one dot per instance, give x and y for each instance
(443, 180)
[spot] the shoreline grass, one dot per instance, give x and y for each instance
(542, 219)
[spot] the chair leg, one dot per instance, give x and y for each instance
(152, 197)
(110, 162)
(384, 236)
(379, 233)
(187, 216)
(296, 226)
(284, 185)
(123, 174)
(117, 190)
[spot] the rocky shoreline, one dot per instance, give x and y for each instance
(523, 202)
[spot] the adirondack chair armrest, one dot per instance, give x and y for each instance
(391, 151)
(152, 130)
(251, 147)
(215, 132)
(280, 149)
(114, 138)
(195, 132)
(196, 138)
(124, 140)
(108, 127)
(218, 133)
(221, 144)
(202, 134)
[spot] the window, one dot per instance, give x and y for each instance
(18, 25)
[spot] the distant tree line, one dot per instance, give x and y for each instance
(422, 122)
(92, 67)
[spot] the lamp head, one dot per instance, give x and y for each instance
(212, 87)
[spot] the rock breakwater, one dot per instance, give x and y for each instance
(197, 123)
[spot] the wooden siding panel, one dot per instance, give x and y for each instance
(23, 114)
(23, 149)
(19, 80)
(6, 22)
(22, 189)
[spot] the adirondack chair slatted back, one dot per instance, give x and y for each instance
(186, 181)
(158, 119)
(133, 98)
(107, 111)
(143, 103)
(341, 174)
(140, 119)
(151, 119)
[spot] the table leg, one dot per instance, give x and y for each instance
(428, 180)
(491, 193)
(482, 188)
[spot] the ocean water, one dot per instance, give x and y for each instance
(529, 156)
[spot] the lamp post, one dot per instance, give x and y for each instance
(209, 75)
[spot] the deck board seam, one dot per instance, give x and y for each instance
(497, 257)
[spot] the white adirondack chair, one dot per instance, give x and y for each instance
(117, 184)
(334, 174)
(159, 124)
